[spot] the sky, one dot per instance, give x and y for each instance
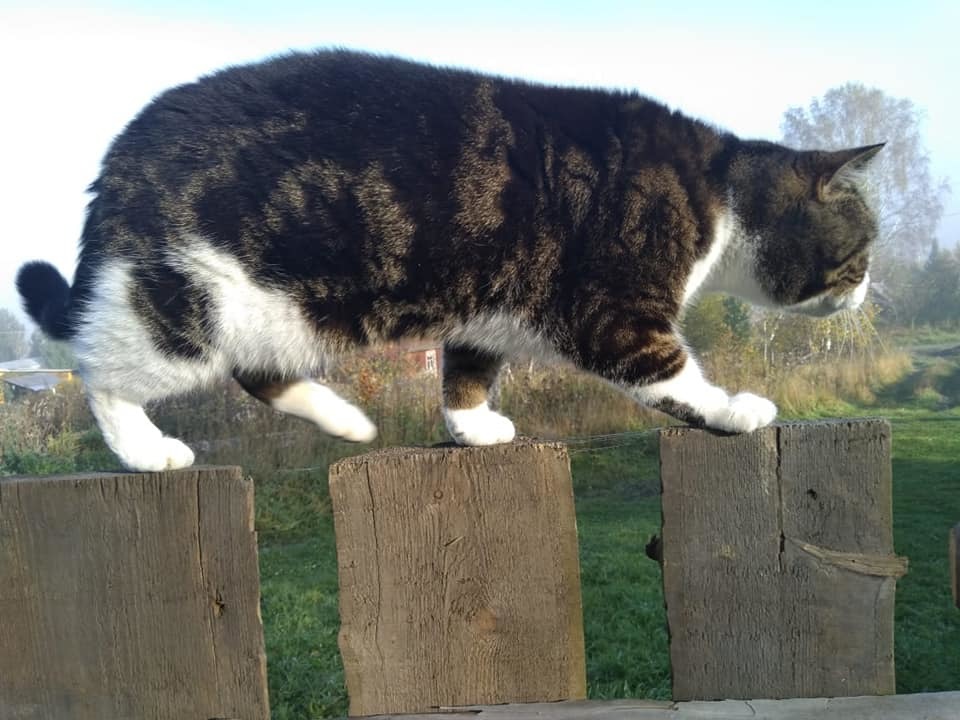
(73, 74)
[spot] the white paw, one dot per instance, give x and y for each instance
(332, 414)
(745, 412)
(162, 453)
(349, 423)
(177, 454)
(478, 426)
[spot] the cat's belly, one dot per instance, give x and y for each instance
(503, 334)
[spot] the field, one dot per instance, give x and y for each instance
(616, 485)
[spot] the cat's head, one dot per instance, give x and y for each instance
(806, 224)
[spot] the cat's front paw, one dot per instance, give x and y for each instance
(478, 426)
(178, 455)
(745, 412)
(156, 455)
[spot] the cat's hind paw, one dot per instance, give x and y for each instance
(745, 412)
(478, 426)
(349, 423)
(315, 402)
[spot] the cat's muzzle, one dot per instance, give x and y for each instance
(827, 304)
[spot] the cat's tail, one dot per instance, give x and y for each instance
(46, 298)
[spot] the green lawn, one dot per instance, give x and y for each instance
(926, 504)
(618, 510)
(299, 605)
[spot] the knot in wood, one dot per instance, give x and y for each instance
(484, 620)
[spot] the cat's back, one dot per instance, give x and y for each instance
(354, 104)
(334, 97)
(209, 156)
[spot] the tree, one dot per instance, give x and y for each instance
(703, 324)
(736, 316)
(939, 288)
(13, 337)
(908, 200)
(53, 354)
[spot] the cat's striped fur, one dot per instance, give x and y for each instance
(263, 219)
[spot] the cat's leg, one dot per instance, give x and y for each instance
(122, 370)
(136, 441)
(659, 372)
(311, 401)
(690, 397)
(468, 375)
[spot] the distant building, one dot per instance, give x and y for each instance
(29, 376)
(415, 356)
(425, 356)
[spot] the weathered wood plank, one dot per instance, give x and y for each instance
(721, 542)
(459, 577)
(778, 565)
(955, 563)
(928, 706)
(130, 596)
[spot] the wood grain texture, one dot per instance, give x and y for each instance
(954, 554)
(130, 597)
(459, 577)
(928, 706)
(778, 565)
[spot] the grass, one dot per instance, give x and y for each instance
(298, 582)
(617, 486)
(623, 611)
(926, 496)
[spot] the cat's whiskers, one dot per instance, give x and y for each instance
(849, 328)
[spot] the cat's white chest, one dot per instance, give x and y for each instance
(708, 268)
(729, 266)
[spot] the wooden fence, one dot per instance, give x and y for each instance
(129, 596)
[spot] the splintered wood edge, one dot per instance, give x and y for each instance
(878, 565)
(355, 462)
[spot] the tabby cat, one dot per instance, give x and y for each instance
(267, 217)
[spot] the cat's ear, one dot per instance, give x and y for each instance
(842, 166)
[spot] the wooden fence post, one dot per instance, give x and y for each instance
(778, 566)
(459, 577)
(130, 596)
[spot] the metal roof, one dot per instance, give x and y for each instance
(29, 374)
(22, 364)
(35, 382)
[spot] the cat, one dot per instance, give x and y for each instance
(267, 217)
